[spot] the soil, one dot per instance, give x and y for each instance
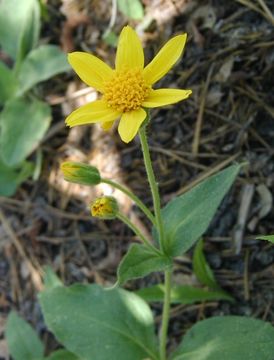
(228, 64)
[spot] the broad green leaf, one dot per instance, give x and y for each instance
(188, 216)
(11, 178)
(7, 83)
(266, 237)
(51, 280)
(201, 268)
(8, 180)
(22, 340)
(62, 355)
(181, 294)
(23, 125)
(41, 64)
(141, 261)
(133, 9)
(19, 27)
(227, 338)
(100, 324)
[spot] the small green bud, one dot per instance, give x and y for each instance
(105, 207)
(79, 173)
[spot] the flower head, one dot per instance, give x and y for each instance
(105, 207)
(127, 90)
(79, 173)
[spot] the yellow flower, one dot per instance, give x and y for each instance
(127, 90)
(105, 207)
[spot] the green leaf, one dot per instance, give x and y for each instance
(23, 125)
(26, 170)
(8, 180)
(11, 178)
(100, 324)
(41, 64)
(227, 338)
(181, 294)
(62, 355)
(266, 237)
(22, 340)
(201, 268)
(188, 216)
(141, 261)
(110, 38)
(133, 9)
(51, 280)
(7, 83)
(19, 27)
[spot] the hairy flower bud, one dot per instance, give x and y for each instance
(105, 207)
(79, 173)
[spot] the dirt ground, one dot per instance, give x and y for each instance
(228, 64)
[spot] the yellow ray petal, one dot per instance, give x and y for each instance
(107, 125)
(130, 123)
(163, 97)
(90, 69)
(130, 53)
(94, 112)
(165, 59)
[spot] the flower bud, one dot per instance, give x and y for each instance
(105, 207)
(79, 173)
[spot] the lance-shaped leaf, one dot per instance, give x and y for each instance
(51, 280)
(7, 83)
(187, 217)
(100, 324)
(19, 27)
(141, 261)
(22, 340)
(23, 125)
(182, 294)
(227, 338)
(41, 64)
(11, 178)
(133, 9)
(202, 269)
(266, 237)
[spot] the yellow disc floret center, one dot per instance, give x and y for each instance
(126, 90)
(101, 207)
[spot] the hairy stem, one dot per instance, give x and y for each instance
(137, 231)
(153, 185)
(133, 197)
(165, 315)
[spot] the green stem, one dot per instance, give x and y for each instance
(165, 315)
(153, 185)
(137, 231)
(133, 197)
